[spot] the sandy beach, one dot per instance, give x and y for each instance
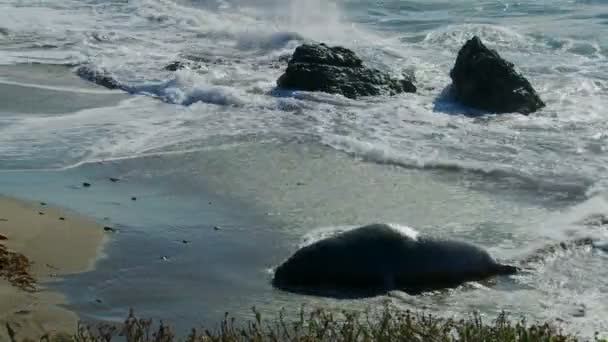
(55, 247)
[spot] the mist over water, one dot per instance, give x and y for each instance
(549, 167)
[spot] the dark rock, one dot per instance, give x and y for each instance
(177, 65)
(3, 237)
(482, 79)
(40, 213)
(185, 242)
(43, 203)
(114, 180)
(109, 229)
(133, 198)
(217, 228)
(86, 185)
(337, 70)
(323, 54)
(62, 218)
(99, 77)
(375, 259)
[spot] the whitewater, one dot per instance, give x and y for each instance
(510, 182)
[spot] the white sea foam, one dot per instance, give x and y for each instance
(238, 50)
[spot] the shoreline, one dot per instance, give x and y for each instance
(55, 248)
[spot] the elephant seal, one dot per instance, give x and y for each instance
(374, 259)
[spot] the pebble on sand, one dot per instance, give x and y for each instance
(112, 179)
(62, 218)
(109, 229)
(86, 185)
(133, 198)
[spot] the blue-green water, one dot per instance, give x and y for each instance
(279, 170)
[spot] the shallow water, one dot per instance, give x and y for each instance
(280, 168)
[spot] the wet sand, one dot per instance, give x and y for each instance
(56, 248)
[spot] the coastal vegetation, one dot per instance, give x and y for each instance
(385, 324)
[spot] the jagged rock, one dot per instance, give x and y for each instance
(482, 79)
(337, 70)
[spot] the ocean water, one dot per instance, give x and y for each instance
(281, 168)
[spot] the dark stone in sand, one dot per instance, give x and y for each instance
(133, 198)
(109, 229)
(3, 237)
(86, 185)
(482, 79)
(40, 213)
(374, 259)
(217, 228)
(43, 203)
(337, 70)
(114, 180)
(62, 218)
(99, 77)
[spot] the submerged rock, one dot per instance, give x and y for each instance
(177, 65)
(482, 79)
(337, 70)
(97, 77)
(374, 259)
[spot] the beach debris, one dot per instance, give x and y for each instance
(40, 213)
(133, 198)
(185, 242)
(86, 185)
(110, 229)
(3, 237)
(114, 180)
(11, 332)
(42, 203)
(14, 267)
(3, 220)
(62, 218)
(52, 267)
(578, 312)
(164, 258)
(98, 300)
(217, 228)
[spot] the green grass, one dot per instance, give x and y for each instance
(386, 324)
